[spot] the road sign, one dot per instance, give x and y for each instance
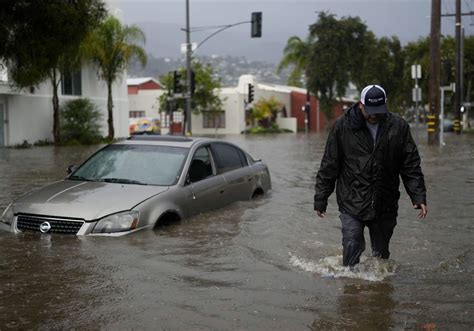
(416, 94)
(416, 71)
(184, 48)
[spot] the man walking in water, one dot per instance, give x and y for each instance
(367, 150)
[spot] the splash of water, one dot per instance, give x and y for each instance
(370, 268)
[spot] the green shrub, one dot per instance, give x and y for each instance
(25, 144)
(42, 142)
(272, 129)
(80, 122)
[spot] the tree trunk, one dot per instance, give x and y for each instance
(56, 130)
(110, 107)
(326, 106)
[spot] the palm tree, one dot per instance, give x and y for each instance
(110, 47)
(296, 54)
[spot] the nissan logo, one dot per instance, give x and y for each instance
(45, 227)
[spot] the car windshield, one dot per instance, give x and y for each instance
(134, 164)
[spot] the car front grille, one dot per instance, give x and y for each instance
(56, 225)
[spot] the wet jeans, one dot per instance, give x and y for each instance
(353, 242)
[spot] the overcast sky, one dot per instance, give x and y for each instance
(407, 19)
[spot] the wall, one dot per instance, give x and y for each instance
(282, 96)
(30, 115)
(146, 100)
(288, 123)
(150, 85)
(298, 100)
(133, 89)
(233, 103)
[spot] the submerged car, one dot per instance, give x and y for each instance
(139, 183)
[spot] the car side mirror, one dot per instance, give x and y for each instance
(71, 169)
(188, 180)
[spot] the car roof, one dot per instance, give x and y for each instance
(165, 140)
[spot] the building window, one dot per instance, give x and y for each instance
(165, 118)
(213, 120)
(136, 113)
(178, 117)
(71, 83)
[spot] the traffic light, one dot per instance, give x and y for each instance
(193, 82)
(250, 93)
(256, 29)
(446, 72)
(177, 88)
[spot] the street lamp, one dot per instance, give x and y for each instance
(187, 122)
(256, 32)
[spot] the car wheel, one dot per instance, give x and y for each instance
(257, 193)
(168, 218)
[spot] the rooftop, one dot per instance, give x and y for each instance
(141, 80)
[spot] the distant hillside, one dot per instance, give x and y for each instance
(227, 68)
(165, 39)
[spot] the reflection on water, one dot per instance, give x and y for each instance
(265, 264)
(361, 307)
(39, 283)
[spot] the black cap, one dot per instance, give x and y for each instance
(374, 99)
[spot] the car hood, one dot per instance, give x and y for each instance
(84, 200)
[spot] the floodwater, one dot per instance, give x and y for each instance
(264, 264)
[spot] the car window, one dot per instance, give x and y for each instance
(228, 157)
(201, 165)
(145, 164)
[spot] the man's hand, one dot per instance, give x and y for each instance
(423, 210)
(321, 214)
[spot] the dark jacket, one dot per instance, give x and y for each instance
(367, 176)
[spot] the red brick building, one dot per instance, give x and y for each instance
(317, 119)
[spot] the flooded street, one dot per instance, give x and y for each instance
(264, 264)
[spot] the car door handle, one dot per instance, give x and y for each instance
(250, 179)
(222, 191)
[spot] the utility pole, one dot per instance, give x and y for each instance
(435, 63)
(459, 104)
(458, 91)
(187, 127)
(256, 32)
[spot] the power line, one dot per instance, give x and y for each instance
(446, 9)
(462, 14)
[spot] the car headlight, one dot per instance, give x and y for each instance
(7, 216)
(124, 221)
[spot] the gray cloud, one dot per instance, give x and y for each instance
(163, 19)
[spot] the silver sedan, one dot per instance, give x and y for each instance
(139, 183)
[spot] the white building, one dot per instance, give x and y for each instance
(27, 115)
(144, 93)
(232, 120)
(143, 97)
